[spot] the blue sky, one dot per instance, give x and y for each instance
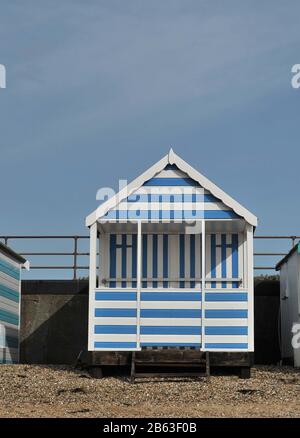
(100, 90)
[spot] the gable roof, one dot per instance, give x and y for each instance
(296, 248)
(13, 255)
(171, 159)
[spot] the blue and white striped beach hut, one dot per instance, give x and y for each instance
(10, 303)
(175, 266)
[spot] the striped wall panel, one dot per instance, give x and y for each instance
(170, 318)
(114, 319)
(170, 261)
(9, 310)
(171, 195)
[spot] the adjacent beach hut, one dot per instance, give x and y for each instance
(175, 267)
(289, 268)
(10, 302)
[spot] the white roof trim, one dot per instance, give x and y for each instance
(171, 158)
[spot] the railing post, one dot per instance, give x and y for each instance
(75, 258)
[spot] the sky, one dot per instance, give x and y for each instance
(98, 91)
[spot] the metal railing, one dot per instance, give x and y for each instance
(75, 267)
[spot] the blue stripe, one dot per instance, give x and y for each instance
(223, 258)
(172, 211)
(144, 259)
(171, 296)
(115, 345)
(181, 259)
(149, 200)
(124, 259)
(223, 296)
(192, 259)
(134, 259)
(170, 313)
(220, 214)
(115, 329)
(165, 258)
(171, 182)
(170, 330)
(170, 198)
(114, 312)
(226, 330)
(166, 214)
(224, 345)
(213, 259)
(154, 260)
(170, 344)
(9, 293)
(210, 198)
(155, 214)
(112, 296)
(9, 269)
(235, 265)
(112, 264)
(10, 317)
(226, 313)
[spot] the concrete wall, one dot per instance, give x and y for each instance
(54, 319)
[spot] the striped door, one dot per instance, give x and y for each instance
(170, 318)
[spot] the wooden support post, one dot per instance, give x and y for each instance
(207, 364)
(132, 373)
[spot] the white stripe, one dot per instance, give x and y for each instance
(171, 304)
(120, 320)
(241, 258)
(173, 259)
(232, 305)
(226, 322)
(166, 206)
(114, 337)
(218, 260)
(171, 338)
(171, 321)
(220, 339)
(115, 304)
(226, 291)
(169, 190)
(161, 206)
(186, 259)
(118, 260)
(9, 305)
(228, 259)
(149, 258)
(129, 260)
(9, 281)
(207, 258)
(171, 174)
(160, 259)
(198, 260)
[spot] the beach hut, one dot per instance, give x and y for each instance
(10, 302)
(289, 268)
(175, 265)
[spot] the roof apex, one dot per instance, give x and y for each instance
(171, 158)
